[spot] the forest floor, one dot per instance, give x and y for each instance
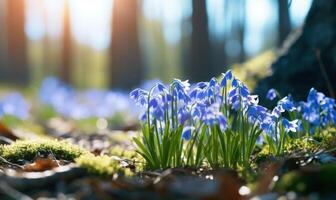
(106, 166)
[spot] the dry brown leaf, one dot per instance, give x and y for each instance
(41, 164)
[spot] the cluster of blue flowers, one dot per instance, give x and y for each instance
(318, 111)
(14, 104)
(94, 103)
(224, 110)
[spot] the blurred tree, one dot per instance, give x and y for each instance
(126, 69)
(201, 67)
(308, 58)
(2, 41)
(65, 71)
(18, 70)
(284, 21)
(241, 29)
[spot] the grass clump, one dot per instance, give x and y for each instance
(29, 149)
(101, 165)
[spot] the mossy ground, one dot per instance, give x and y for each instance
(103, 166)
(29, 149)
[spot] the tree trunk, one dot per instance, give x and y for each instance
(16, 42)
(241, 30)
(201, 66)
(126, 69)
(3, 49)
(284, 25)
(308, 58)
(65, 71)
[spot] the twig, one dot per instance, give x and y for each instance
(324, 73)
(3, 160)
(11, 192)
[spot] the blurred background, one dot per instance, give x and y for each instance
(120, 43)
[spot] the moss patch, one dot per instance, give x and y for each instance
(101, 165)
(29, 149)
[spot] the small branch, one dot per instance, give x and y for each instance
(3, 160)
(324, 73)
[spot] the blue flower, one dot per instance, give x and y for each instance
(311, 113)
(271, 94)
(222, 121)
(287, 104)
(256, 112)
(143, 117)
(181, 85)
(227, 76)
(196, 113)
(315, 96)
(234, 82)
(162, 88)
(158, 113)
(202, 84)
(244, 91)
(153, 103)
(193, 93)
(267, 124)
(14, 104)
(187, 132)
(183, 115)
(277, 111)
(290, 126)
(136, 93)
(139, 96)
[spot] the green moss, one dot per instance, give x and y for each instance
(29, 149)
(101, 165)
(309, 180)
(292, 146)
(328, 138)
(123, 153)
(301, 145)
(131, 155)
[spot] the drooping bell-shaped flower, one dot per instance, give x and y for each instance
(271, 94)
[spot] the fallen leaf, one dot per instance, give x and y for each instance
(41, 164)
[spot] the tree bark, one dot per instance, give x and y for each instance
(126, 69)
(308, 58)
(18, 70)
(201, 66)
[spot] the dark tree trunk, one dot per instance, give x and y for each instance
(201, 66)
(309, 56)
(284, 25)
(65, 70)
(18, 70)
(126, 69)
